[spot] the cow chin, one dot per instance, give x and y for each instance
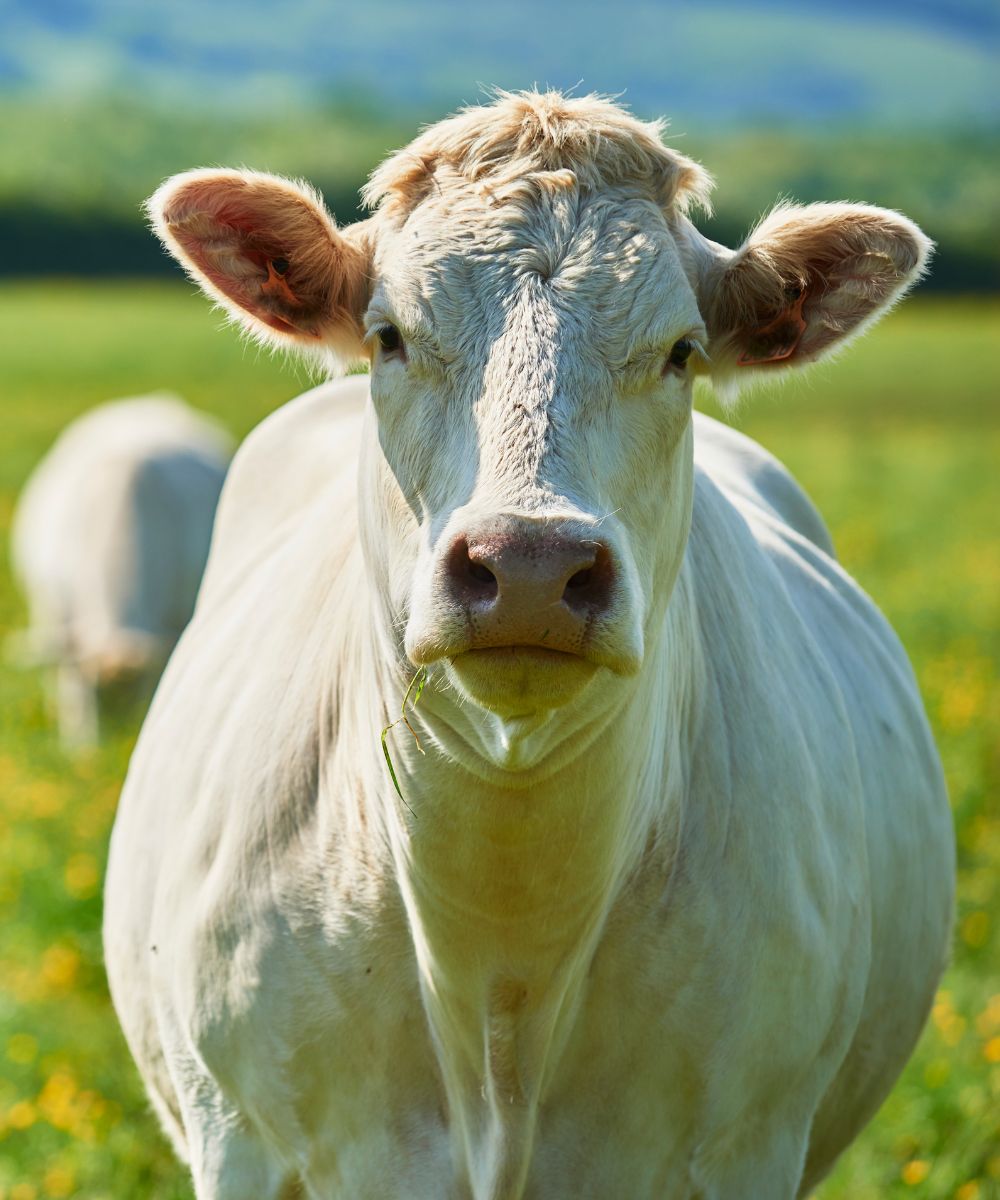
(517, 682)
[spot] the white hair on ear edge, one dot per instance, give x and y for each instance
(841, 266)
(270, 255)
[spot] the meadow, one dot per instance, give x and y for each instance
(899, 444)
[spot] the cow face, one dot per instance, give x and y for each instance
(534, 304)
(532, 365)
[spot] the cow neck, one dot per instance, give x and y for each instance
(507, 891)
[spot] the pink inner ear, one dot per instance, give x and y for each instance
(778, 339)
(238, 239)
(269, 252)
(277, 285)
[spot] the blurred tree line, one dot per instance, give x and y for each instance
(73, 177)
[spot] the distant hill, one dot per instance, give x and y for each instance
(73, 177)
(708, 63)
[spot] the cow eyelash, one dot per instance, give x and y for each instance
(679, 354)
(389, 338)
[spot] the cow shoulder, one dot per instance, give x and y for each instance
(745, 471)
(305, 451)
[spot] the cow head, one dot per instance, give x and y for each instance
(535, 306)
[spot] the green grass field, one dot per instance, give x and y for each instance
(899, 444)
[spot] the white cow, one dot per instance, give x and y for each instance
(662, 901)
(109, 543)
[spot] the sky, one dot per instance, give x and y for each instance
(886, 62)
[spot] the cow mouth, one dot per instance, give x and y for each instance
(520, 679)
(524, 651)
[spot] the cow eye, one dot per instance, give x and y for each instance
(389, 338)
(680, 353)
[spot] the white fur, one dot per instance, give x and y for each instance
(109, 541)
(668, 930)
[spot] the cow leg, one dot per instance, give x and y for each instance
(230, 1164)
(228, 1158)
(769, 1164)
(76, 699)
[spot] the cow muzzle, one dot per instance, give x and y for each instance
(526, 609)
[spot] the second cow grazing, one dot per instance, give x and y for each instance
(660, 905)
(109, 543)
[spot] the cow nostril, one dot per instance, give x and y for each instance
(589, 589)
(481, 573)
(524, 571)
(470, 577)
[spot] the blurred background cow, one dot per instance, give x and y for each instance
(109, 542)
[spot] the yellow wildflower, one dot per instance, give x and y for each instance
(915, 1171)
(59, 967)
(22, 1115)
(82, 876)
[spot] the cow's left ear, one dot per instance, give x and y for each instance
(270, 253)
(806, 281)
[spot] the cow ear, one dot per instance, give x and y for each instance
(805, 282)
(268, 251)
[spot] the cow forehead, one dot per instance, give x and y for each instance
(464, 259)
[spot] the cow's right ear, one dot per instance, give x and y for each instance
(268, 251)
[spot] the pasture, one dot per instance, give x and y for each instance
(898, 443)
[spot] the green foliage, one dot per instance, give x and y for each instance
(418, 681)
(946, 182)
(897, 443)
(73, 176)
(106, 156)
